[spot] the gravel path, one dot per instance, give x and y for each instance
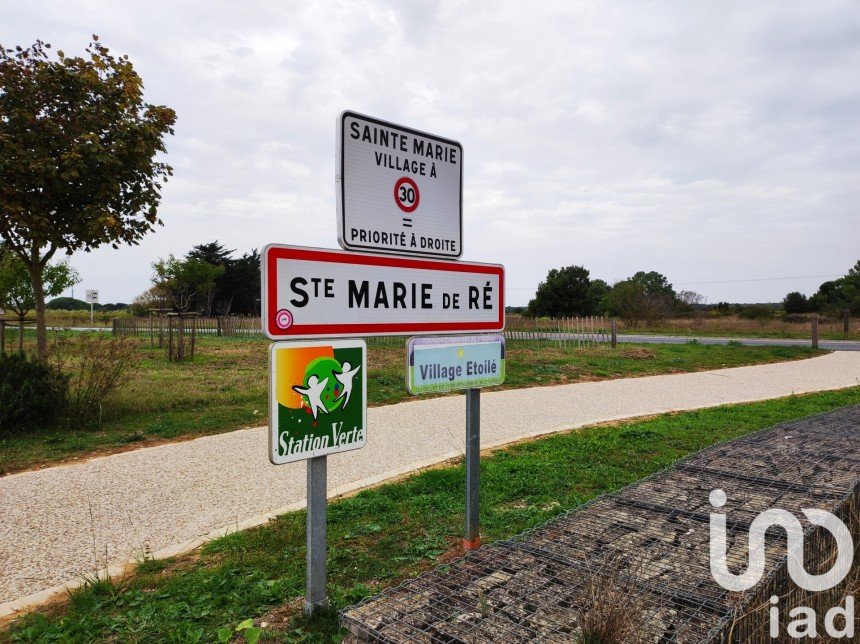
(59, 523)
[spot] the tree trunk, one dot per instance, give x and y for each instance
(39, 293)
(21, 334)
(210, 302)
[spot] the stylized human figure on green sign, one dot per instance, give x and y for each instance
(313, 392)
(345, 378)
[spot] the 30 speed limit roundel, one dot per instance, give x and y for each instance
(406, 194)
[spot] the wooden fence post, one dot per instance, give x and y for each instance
(815, 332)
(614, 331)
(181, 338)
(193, 335)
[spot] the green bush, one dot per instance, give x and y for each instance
(32, 393)
(797, 318)
(69, 304)
(756, 312)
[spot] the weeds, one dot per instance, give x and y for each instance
(246, 628)
(94, 591)
(612, 607)
(636, 353)
(96, 366)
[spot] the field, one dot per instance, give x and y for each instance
(252, 581)
(734, 326)
(225, 388)
(65, 319)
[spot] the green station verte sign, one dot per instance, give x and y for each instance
(318, 398)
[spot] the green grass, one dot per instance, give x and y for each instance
(380, 536)
(225, 388)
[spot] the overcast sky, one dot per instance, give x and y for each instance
(715, 142)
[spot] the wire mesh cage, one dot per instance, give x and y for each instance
(635, 563)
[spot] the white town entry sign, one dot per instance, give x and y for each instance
(321, 293)
(399, 190)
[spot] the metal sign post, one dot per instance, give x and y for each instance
(459, 363)
(315, 595)
(472, 540)
(317, 406)
(400, 192)
(92, 298)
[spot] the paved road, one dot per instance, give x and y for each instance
(832, 345)
(642, 338)
(61, 522)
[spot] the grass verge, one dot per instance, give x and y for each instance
(225, 388)
(382, 535)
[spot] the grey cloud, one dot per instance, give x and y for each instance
(710, 141)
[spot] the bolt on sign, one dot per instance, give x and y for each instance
(399, 190)
(311, 292)
(317, 398)
(435, 365)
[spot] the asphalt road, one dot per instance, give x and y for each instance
(831, 345)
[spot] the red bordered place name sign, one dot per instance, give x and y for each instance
(315, 292)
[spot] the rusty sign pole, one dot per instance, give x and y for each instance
(472, 540)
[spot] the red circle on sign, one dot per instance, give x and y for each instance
(406, 194)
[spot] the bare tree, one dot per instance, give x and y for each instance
(691, 299)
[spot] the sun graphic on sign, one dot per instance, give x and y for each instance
(460, 352)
